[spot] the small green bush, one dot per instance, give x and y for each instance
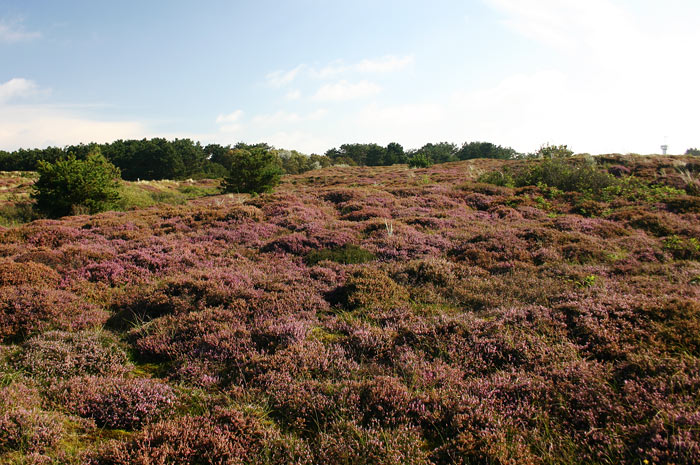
(347, 255)
(566, 176)
(71, 186)
(420, 161)
(558, 173)
(253, 171)
(498, 178)
(683, 248)
(554, 151)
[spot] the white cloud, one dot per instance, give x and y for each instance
(280, 117)
(569, 24)
(387, 64)
(17, 88)
(280, 78)
(330, 70)
(383, 65)
(293, 95)
(12, 31)
(230, 123)
(303, 141)
(527, 110)
(630, 83)
(344, 91)
(43, 125)
(230, 118)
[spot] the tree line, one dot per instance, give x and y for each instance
(159, 158)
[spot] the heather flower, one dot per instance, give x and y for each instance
(25, 311)
(115, 402)
(61, 354)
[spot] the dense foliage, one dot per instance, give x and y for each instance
(393, 153)
(72, 185)
(365, 315)
(158, 158)
(254, 170)
(568, 175)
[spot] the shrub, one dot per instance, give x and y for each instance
(349, 254)
(16, 274)
(346, 443)
(683, 249)
(554, 151)
(224, 437)
(566, 176)
(23, 425)
(26, 310)
(115, 402)
(498, 178)
(420, 160)
(60, 354)
(373, 289)
(72, 185)
(253, 171)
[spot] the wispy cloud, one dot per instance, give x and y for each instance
(571, 25)
(282, 117)
(334, 69)
(13, 31)
(230, 122)
(293, 94)
(387, 64)
(45, 125)
(17, 88)
(230, 118)
(343, 91)
(280, 78)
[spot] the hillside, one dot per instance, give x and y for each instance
(364, 315)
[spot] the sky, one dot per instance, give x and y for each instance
(601, 76)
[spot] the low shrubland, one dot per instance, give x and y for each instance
(486, 311)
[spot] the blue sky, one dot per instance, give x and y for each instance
(601, 75)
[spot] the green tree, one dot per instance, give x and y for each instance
(419, 160)
(394, 154)
(253, 170)
(484, 150)
(71, 185)
(441, 152)
(554, 151)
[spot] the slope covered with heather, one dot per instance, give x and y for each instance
(364, 316)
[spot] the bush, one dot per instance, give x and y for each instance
(63, 354)
(498, 178)
(349, 254)
(115, 402)
(554, 151)
(348, 443)
(420, 160)
(568, 177)
(24, 426)
(373, 289)
(26, 310)
(72, 185)
(253, 171)
(227, 436)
